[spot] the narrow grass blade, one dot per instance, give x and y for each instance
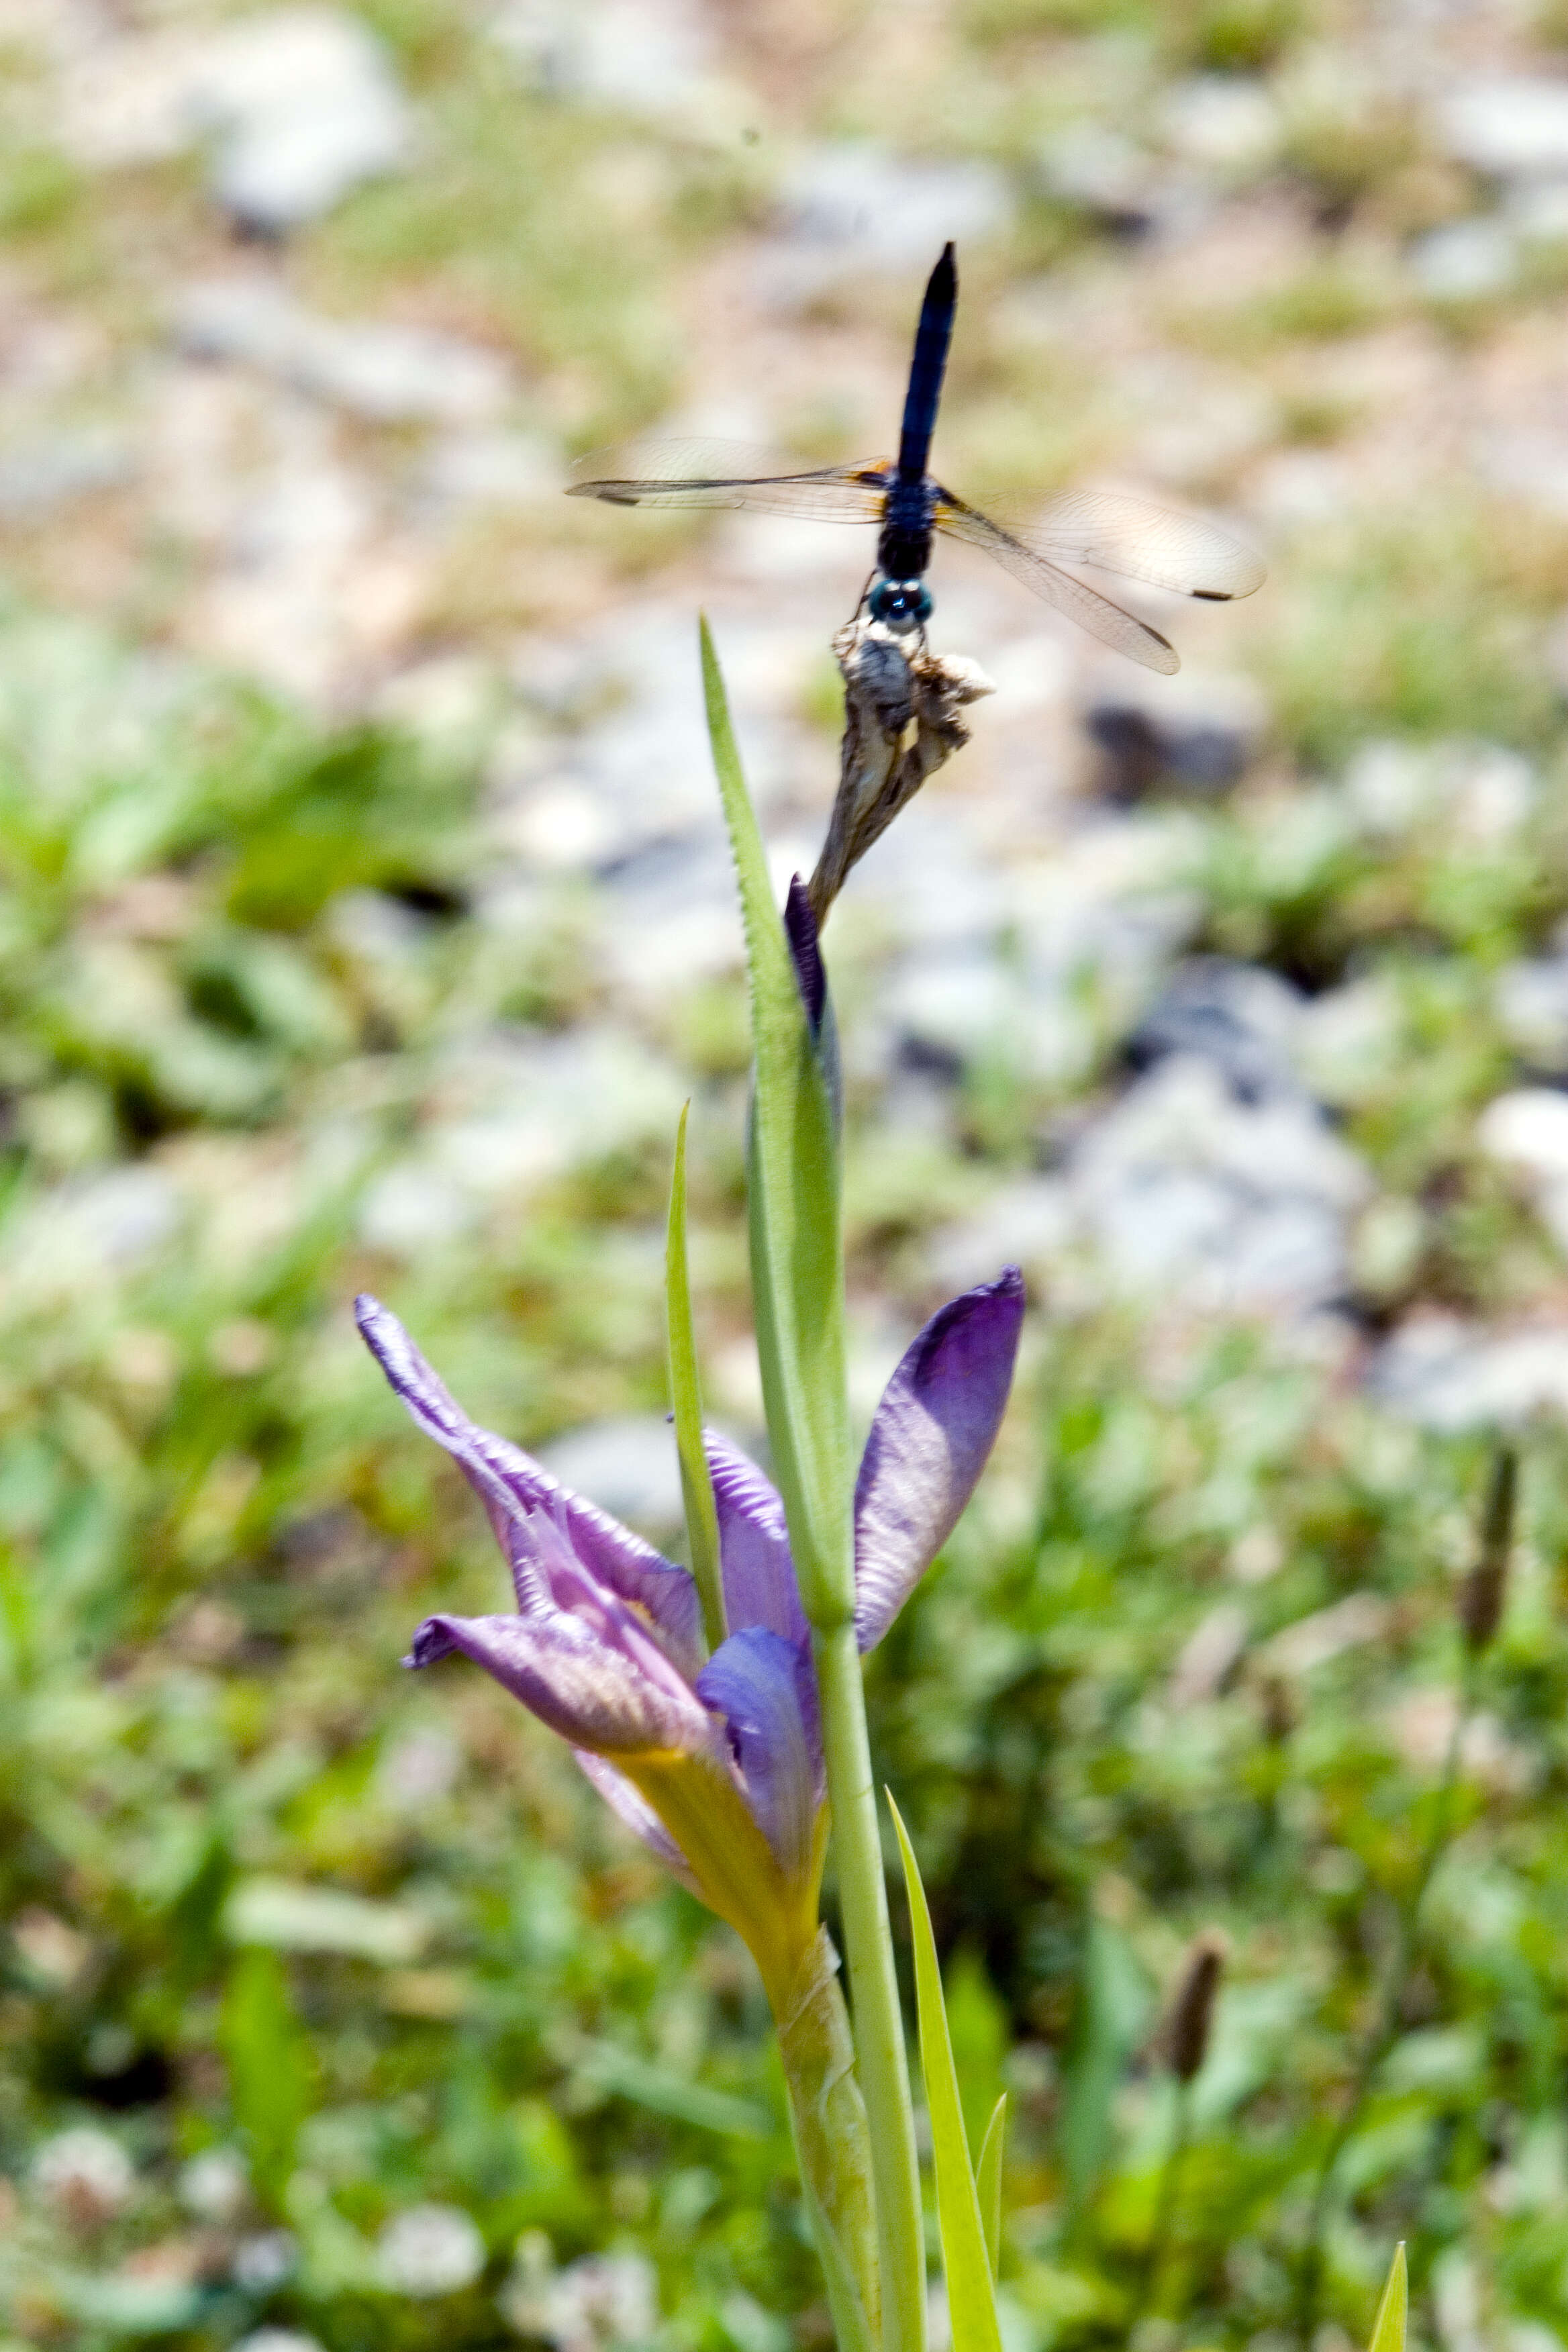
(971, 2294)
(1389, 2329)
(798, 1274)
(686, 1396)
(988, 2180)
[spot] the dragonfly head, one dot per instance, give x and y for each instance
(900, 605)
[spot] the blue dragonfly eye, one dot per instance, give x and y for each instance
(901, 604)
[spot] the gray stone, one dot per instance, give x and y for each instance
(305, 108)
(299, 106)
(37, 475)
(1103, 172)
(1236, 1016)
(854, 206)
(388, 374)
(1449, 1375)
(650, 57)
(1198, 730)
(1465, 261)
(1236, 1206)
(1531, 998)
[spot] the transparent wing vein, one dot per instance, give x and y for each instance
(1085, 605)
(725, 474)
(1115, 533)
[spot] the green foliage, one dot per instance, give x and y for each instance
(967, 2255)
(1388, 2327)
(797, 1270)
(270, 2069)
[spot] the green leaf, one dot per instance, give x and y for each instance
(988, 2180)
(979, 2027)
(269, 2070)
(696, 1485)
(1108, 2022)
(1389, 2330)
(971, 2294)
(797, 1270)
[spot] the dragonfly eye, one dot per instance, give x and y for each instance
(901, 604)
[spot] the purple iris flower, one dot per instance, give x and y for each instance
(716, 1764)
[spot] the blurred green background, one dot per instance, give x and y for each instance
(364, 920)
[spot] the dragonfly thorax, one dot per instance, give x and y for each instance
(901, 604)
(903, 546)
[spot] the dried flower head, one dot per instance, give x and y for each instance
(1485, 1589)
(1192, 2012)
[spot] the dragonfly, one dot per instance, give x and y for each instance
(1104, 531)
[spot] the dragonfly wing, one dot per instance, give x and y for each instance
(1114, 532)
(725, 474)
(1087, 606)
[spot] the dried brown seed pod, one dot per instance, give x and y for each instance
(1192, 2012)
(1485, 1589)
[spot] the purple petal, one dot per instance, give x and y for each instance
(511, 1484)
(638, 1814)
(930, 1439)
(753, 1544)
(766, 1691)
(805, 950)
(592, 1695)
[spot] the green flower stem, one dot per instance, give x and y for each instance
(881, 2061)
(1165, 2201)
(1384, 2030)
(832, 2144)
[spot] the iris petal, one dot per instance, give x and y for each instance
(565, 1674)
(932, 1432)
(753, 1544)
(633, 1808)
(765, 1688)
(508, 1482)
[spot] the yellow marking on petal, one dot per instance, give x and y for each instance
(731, 1861)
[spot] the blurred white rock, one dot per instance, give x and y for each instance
(502, 469)
(1030, 1223)
(300, 106)
(1237, 1207)
(1531, 998)
(1227, 123)
(1239, 1017)
(1508, 125)
(1449, 1375)
(1464, 261)
(388, 374)
(1538, 211)
(627, 1465)
(852, 206)
(1527, 1131)
(37, 475)
(1089, 164)
(657, 58)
